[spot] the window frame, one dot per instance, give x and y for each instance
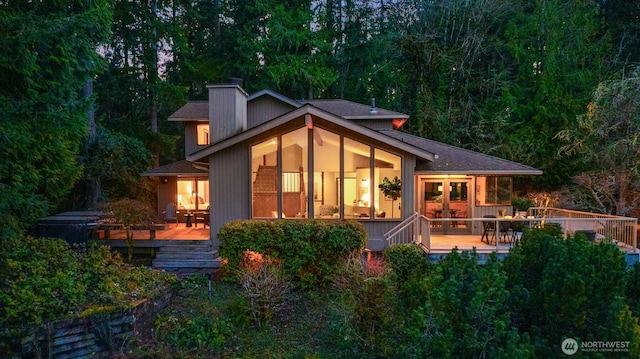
(309, 184)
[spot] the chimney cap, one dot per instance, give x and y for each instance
(236, 81)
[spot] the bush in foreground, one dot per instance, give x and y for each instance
(307, 249)
(44, 280)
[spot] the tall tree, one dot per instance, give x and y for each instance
(279, 48)
(561, 53)
(50, 54)
(458, 63)
(607, 139)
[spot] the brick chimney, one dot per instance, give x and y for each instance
(227, 110)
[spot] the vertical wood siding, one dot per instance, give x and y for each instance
(227, 112)
(230, 179)
(265, 108)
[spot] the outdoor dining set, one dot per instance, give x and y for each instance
(507, 229)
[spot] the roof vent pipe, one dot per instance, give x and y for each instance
(373, 110)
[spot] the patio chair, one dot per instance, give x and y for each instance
(170, 213)
(488, 229)
(506, 232)
(203, 217)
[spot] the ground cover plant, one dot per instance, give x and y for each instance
(400, 305)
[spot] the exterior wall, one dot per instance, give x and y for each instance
(191, 138)
(408, 186)
(230, 187)
(166, 193)
(227, 111)
(265, 108)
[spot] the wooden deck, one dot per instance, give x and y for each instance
(171, 232)
(446, 243)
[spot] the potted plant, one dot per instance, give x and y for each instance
(391, 189)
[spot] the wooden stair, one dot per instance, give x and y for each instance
(187, 257)
(266, 179)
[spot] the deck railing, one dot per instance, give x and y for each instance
(622, 231)
(414, 229)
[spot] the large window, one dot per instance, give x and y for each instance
(387, 170)
(326, 174)
(357, 166)
(264, 183)
(203, 134)
(493, 190)
(193, 194)
(295, 146)
(341, 182)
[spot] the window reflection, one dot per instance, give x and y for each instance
(286, 191)
(493, 190)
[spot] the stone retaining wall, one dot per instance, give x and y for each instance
(98, 335)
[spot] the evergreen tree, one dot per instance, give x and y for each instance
(50, 54)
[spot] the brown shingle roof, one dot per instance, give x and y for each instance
(352, 110)
(192, 111)
(180, 168)
(451, 159)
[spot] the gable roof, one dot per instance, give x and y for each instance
(179, 168)
(273, 94)
(450, 159)
(313, 111)
(354, 111)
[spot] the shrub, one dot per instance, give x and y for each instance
(569, 288)
(307, 249)
(43, 280)
(405, 261)
(462, 312)
(368, 299)
(265, 288)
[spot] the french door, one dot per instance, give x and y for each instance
(447, 198)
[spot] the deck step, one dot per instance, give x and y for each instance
(186, 256)
(191, 263)
(186, 249)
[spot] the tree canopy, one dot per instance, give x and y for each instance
(500, 77)
(50, 54)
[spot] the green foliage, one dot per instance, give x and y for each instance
(463, 311)
(307, 249)
(632, 291)
(43, 280)
(406, 261)
(276, 46)
(521, 203)
(569, 288)
(44, 116)
(391, 189)
(201, 335)
(607, 139)
(368, 300)
(117, 161)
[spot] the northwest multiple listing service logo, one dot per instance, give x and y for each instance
(571, 346)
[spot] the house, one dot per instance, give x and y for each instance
(264, 155)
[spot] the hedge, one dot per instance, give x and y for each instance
(306, 249)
